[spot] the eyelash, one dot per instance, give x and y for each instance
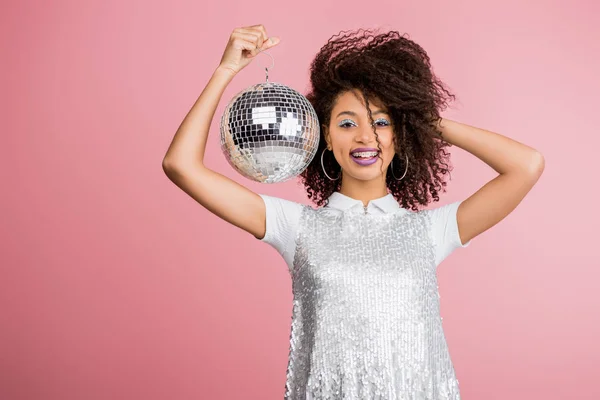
(343, 123)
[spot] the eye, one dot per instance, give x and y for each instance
(383, 121)
(344, 123)
(348, 123)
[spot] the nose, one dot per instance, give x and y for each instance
(365, 134)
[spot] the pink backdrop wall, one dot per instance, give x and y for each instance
(116, 285)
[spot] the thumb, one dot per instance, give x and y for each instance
(272, 41)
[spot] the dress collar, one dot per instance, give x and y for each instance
(387, 203)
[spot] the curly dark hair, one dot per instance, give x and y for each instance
(393, 70)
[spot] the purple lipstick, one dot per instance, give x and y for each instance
(364, 155)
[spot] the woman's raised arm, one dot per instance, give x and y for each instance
(184, 160)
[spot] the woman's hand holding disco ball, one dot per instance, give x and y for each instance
(244, 44)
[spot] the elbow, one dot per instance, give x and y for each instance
(537, 164)
(176, 169)
(169, 167)
(534, 167)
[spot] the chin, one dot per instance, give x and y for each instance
(373, 174)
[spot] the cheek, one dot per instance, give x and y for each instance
(388, 144)
(387, 138)
(389, 155)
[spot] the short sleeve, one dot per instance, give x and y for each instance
(444, 231)
(282, 218)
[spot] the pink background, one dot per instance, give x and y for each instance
(116, 285)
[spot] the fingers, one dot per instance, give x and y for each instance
(260, 34)
(246, 41)
(262, 31)
(250, 37)
(256, 35)
(267, 42)
(263, 41)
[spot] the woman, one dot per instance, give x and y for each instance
(366, 321)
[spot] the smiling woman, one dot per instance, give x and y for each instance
(399, 122)
(362, 148)
(366, 315)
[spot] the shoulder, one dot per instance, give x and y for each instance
(282, 220)
(443, 229)
(440, 213)
(278, 202)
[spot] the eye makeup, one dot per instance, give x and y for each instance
(343, 123)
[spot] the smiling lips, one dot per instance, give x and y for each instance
(364, 155)
(364, 151)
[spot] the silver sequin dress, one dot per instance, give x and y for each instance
(366, 318)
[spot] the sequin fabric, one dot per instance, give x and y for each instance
(366, 319)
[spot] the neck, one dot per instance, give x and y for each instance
(364, 191)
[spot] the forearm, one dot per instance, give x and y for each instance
(501, 153)
(189, 143)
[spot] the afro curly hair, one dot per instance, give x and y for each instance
(391, 69)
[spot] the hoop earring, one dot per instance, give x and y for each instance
(405, 170)
(322, 166)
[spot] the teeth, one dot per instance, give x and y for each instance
(365, 154)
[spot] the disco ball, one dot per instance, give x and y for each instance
(269, 132)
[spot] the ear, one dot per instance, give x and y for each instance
(326, 136)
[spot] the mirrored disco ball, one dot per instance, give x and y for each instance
(269, 132)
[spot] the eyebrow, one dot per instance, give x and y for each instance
(352, 113)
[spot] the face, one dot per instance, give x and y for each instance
(350, 131)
